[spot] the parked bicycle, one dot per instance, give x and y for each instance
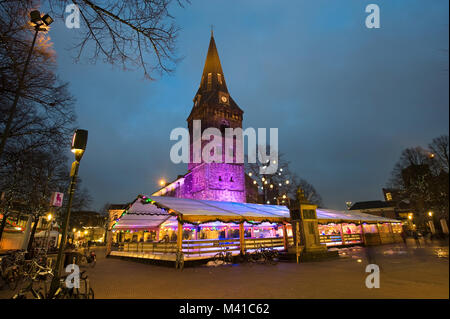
(223, 257)
(9, 270)
(38, 285)
(262, 255)
(270, 254)
(35, 274)
(83, 292)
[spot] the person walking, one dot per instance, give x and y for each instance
(416, 238)
(404, 237)
(370, 254)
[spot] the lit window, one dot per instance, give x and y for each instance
(388, 196)
(209, 81)
(219, 78)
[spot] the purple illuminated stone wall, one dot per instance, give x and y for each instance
(214, 107)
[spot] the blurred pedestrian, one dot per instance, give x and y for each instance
(416, 238)
(425, 236)
(404, 237)
(370, 254)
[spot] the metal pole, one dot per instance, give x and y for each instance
(12, 110)
(65, 226)
(3, 224)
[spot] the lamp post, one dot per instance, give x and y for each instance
(431, 222)
(79, 142)
(39, 24)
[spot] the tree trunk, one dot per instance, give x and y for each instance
(3, 224)
(30, 242)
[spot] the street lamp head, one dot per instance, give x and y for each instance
(47, 19)
(35, 17)
(49, 217)
(79, 141)
(430, 213)
(162, 182)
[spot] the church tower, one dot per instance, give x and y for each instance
(214, 107)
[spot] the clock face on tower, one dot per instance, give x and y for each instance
(224, 99)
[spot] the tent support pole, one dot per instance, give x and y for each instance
(241, 238)
(285, 239)
(179, 236)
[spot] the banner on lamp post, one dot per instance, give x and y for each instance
(57, 199)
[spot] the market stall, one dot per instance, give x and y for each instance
(353, 227)
(157, 227)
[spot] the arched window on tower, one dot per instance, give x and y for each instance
(219, 78)
(209, 81)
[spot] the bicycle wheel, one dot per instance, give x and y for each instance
(218, 258)
(19, 296)
(12, 279)
(262, 257)
(90, 294)
(37, 294)
(229, 258)
(67, 294)
(254, 257)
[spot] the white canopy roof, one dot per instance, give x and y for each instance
(195, 207)
(353, 215)
(151, 211)
(148, 212)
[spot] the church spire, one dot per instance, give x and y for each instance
(212, 77)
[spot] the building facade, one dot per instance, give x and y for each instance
(214, 107)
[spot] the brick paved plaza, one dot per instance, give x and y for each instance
(405, 273)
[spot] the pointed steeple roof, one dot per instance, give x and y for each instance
(213, 69)
(212, 63)
(212, 93)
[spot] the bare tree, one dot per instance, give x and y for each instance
(420, 177)
(133, 34)
(44, 113)
(440, 152)
(410, 156)
(282, 182)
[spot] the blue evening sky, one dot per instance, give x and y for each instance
(346, 99)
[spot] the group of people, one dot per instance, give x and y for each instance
(425, 234)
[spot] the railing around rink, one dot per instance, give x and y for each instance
(151, 248)
(352, 238)
(336, 239)
(204, 247)
(210, 247)
(331, 239)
